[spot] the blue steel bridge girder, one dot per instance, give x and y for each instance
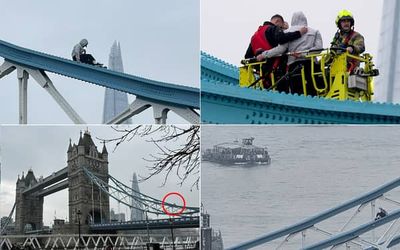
(310, 223)
(23, 73)
(159, 111)
(354, 233)
(162, 96)
(224, 102)
(230, 104)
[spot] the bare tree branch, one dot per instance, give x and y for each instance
(183, 159)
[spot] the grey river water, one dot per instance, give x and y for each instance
(313, 169)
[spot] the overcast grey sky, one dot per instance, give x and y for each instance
(44, 149)
(159, 40)
(227, 26)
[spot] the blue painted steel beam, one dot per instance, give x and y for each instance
(307, 223)
(224, 102)
(354, 233)
(147, 89)
(215, 69)
(227, 103)
(184, 222)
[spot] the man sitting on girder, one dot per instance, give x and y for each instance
(79, 54)
(382, 213)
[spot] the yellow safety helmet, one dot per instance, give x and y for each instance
(344, 15)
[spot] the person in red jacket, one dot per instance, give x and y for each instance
(268, 36)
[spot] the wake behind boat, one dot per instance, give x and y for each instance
(237, 153)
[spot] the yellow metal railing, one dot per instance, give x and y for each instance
(329, 74)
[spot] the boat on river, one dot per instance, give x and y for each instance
(237, 153)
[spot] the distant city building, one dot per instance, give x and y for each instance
(119, 217)
(387, 86)
(115, 101)
(137, 208)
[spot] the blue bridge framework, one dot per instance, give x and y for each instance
(162, 97)
(224, 102)
(351, 238)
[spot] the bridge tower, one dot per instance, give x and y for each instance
(85, 196)
(29, 208)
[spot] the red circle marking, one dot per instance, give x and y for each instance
(180, 211)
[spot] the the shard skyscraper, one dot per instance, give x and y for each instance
(115, 101)
(387, 87)
(136, 214)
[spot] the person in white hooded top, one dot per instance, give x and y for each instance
(310, 41)
(79, 54)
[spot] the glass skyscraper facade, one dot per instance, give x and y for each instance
(115, 101)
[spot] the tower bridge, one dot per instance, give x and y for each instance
(90, 187)
(93, 205)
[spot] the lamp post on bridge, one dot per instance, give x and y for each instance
(172, 232)
(79, 228)
(147, 222)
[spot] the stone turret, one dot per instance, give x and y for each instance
(29, 208)
(85, 196)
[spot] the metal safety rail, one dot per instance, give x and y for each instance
(223, 101)
(97, 241)
(310, 222)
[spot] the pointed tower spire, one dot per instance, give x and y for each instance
(115, 101)
(80, 142)
(104, 148)
(70, 146)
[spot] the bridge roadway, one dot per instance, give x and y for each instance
(182, 222)
(223, 101)
(307, 223)
(145, 88)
